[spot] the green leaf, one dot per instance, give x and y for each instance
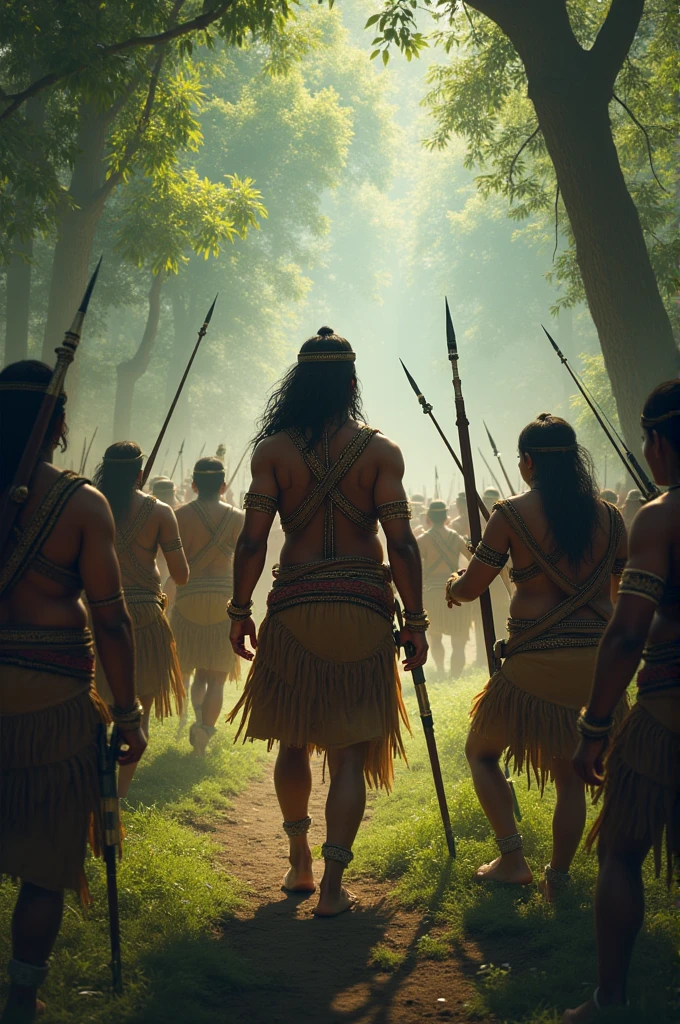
(385, 57)
(372, 20)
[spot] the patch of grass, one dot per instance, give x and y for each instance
(173, 898)
(430, 948)
(550, 949)
(385, 959)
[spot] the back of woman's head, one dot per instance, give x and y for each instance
(565, 479)
(661, 412)
(209, 477)
(322, 388)
(116, 476)
(22, 389)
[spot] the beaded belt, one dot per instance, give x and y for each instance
(361, 581)
(64, 652)
(565, 634)
(661, 668)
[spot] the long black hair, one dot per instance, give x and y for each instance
(116, 476)
(314, 394)
(661, 412)
(22, 389)
(565, 480)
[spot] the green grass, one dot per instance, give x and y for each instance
(173, 896)
(549, 950)
(385, 959)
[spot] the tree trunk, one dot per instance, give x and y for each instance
(129, 372)
(71, 260)
(18, 303)
(571, 89)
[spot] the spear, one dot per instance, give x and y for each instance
(89, 449)
(627, 458)
(17, 494)
(179, 456)
(82, 456)
(233, 475)
(436, 484)
(159, 440)
(165, 460)
(463, 425)
(497, 454)
(493, 475)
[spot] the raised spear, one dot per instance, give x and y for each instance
(418, 676)
(493, 475)
(17, 494)
(179, 456)
(89, 449)
(463, 425)
(233, 475)
(627, 458)
(159, 440)
(497, 454)
(82, 456)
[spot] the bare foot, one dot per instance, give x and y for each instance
(332, 906)
(22, 1013)
(300, 879)
(584, 1014)
(502, 869)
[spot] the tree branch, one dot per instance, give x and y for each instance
(616, 36)
(53, 77)
(644, 131)
(521, 150)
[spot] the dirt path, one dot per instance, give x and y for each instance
(323, 967)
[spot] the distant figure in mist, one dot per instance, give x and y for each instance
(632, 506)
(568, 549)
(50, 717)
(441, 549)
(209, 528)
(642, 761)
(143, 526)
(324, 675)
(164, 489)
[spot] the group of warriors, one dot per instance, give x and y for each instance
(85, 639)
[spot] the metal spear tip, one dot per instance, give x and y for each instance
(208, 316)
(410, 378)
(552, 342)
(491, 440)
(82, 308)
(450, 333)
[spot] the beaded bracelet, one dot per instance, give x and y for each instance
(239, 613)
(128, 718)
(416, 622)
(593, 729)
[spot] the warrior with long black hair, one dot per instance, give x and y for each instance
(209, 529)
(325, 672)
(568, 548)
(49, 709)
(642, 763)
(143, 525)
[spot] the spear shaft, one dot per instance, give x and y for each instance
(159, 440)
(233, 475)
(493, 475)
(89, 448)
(627, 458)
(179, 456)
(497, 454)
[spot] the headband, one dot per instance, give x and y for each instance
(552, 448)
(135, 458)
(651, 421)
(207, 472)
(25, 385)
(327, 357)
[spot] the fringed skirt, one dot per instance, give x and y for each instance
(642, 769)
(454, 622)
(49, 787)
(325, 676)
(535, 700)
(201, 626)
(157, 670)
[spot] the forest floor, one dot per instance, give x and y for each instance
(209, 936)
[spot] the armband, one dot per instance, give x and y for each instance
(173, 545)
(487, 556)
(105, 602)
(261, 503)
(618, 566)
(641, 583)
(393, 510)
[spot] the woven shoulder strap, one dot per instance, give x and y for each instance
(216, 545)
(124, 539)
(45, 518)
(447, 552)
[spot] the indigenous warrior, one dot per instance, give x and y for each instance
(209, 529)
(143, 524)
(165, 491)
(568, 549)
(49, 709)
(631, 506)
(440, 550)
(325, 673)
(642, 765)
(462, 621)
(500, 597)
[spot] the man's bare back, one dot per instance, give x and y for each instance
(195, 535)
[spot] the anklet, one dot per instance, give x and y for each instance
(510, 843)
(338, 853)
(297, 828)
(560, 879)
(26, 975)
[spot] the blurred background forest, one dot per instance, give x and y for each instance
(273, 163)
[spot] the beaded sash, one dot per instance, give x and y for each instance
(62, 652)
(661, 668)
(361, 581)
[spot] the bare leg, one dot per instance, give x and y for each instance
(344, 810)
(619, 913)
(458, 642)
(214, 693)
(126, 771)
(184, 714)
(293, 782)
(35, 925)
(569, 820)
(198, 691)
(493, 793)
(437, 651)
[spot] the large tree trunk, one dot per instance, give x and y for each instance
(129, 372)
(71, 261)
(571, 89)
